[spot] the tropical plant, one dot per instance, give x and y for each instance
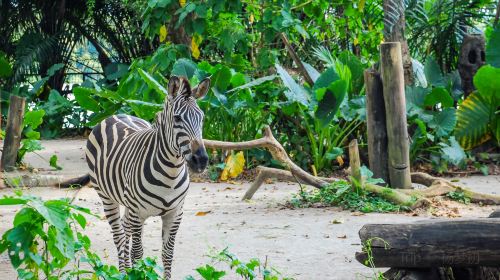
(432, 118)
(437, 27)
(478, 117)
(46, 242)
(319, 106)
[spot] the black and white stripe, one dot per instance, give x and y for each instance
(144, 168)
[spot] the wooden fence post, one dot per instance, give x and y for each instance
(375, 122)
(395, 108)
(13, 133)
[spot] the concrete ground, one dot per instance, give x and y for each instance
(300, 243)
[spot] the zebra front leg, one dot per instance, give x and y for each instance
(136, 226)
(128, 234)
(171, 222)
(112, 213)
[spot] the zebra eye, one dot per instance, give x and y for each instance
(177, 118)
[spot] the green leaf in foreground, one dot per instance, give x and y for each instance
(53, 162)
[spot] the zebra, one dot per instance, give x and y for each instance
(143, 167)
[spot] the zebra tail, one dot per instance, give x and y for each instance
(76, 182)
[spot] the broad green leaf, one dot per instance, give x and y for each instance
(20, 239)
(82, 221)
(313, 73)
(153, 83)
(28, 146)
(487, 81)
(222, 78)
(144, 110)
(33, 118)
(184, 67)
(416, 96)
(326, 78)
(85, 99)
(329, 104)
(438, 95)
(452, 152)
(493, 49)
(295, 92)
(253, 83)
(473, 118)
(12, 200)
(444, 122)
(54, 212)
(433, 73)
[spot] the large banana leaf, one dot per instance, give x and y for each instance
(473, 120)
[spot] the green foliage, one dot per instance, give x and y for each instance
(45, 242)
(341, 193)
(478, 117)
(432, 119)
(436, 28)
(253, 269)
(459, 196)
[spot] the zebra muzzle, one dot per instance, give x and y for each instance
(198, 159)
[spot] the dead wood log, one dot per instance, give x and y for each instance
(439, 186)
(441, 243)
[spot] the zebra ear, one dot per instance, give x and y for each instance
(201, 90)
(173, 86)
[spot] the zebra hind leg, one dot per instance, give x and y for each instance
(171, 222)
(112, 213)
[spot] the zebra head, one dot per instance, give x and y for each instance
(187, 119)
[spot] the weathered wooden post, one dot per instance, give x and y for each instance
(375, 122)
(395, 108)
(13, 133)
(355, 162)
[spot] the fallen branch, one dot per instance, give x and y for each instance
(276, 150)
(297, 174)
(439, 186)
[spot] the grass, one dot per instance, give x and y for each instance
(342, 194)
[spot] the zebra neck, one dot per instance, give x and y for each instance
(167, 151)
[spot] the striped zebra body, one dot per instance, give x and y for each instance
(143, 168)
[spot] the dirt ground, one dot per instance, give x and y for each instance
(300, 243)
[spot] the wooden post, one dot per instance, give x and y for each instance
(395, 108)
(375, 122)
(13, 133)
(354, 162)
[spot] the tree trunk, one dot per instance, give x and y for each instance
(13, 133)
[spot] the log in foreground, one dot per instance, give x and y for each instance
(443, 243)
